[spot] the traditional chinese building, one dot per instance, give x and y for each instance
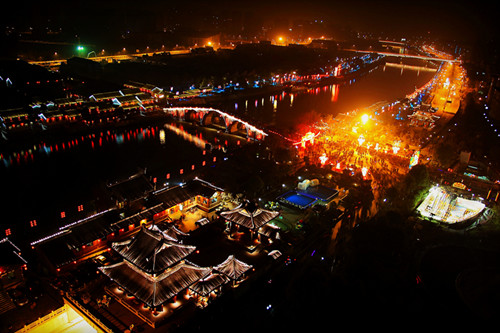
(82, 238)
(196, 193)
(153, 267)
(207, 288)
(233, 268)
(250, 216)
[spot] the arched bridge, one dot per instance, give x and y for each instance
(217, 118)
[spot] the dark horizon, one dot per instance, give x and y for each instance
(447, 20)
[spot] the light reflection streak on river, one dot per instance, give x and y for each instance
(198, 141)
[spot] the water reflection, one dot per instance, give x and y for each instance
(197, 141)
(335, 92)
(85, 145)
(120, 139)
(94, 140)
(380, 84)
(162, 136)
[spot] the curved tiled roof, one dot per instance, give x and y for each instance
(151, 251)
(248, 217)
(206, 285)
(155, 290)
(233, 268)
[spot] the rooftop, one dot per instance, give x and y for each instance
(152, 290)
(150, 251)
(249, 215)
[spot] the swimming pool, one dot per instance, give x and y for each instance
(320, 192)
(297, 200)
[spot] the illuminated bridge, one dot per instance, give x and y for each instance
(404, 55)
(216, 118)
(391, 42)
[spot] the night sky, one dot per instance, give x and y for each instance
(462, 20)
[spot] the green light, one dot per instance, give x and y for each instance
(80, 48)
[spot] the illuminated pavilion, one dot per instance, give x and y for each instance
(152, 251)
(154, 268)
(249, 215)
(233, 268)
(207, 288)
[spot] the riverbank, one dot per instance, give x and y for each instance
(236, 94)
(21, 137)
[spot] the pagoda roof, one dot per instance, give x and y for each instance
(233, 268)
(208, 284)
(269, 230)
(152, 290)
(249, 216)
(152, 251)
(169, 231)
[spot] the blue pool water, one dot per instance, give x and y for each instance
(296, 199)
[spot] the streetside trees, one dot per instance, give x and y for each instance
(403, 197)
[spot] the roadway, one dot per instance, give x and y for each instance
(448, 93)
(51, 64)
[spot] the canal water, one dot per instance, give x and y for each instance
(286, 110)
(41, 181)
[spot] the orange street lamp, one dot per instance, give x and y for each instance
(364, 118)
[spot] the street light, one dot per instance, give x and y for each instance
(80, 50)
(364, 118)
